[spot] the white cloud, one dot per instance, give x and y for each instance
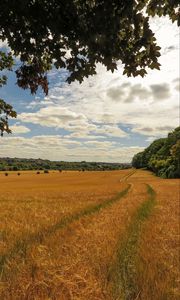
(53, 116)
(150, 139)
(111, 131)
(77, 123)
(99, 145)
(160, 91)
(84, 136)
(153, 131)
(176, 84)
(59, 148)
(18, 129)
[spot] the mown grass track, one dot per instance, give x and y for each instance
(123, 273)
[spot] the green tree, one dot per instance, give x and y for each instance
(137, 161)
(6, 110)
(175, 152)
(162, 156)
(78, 34)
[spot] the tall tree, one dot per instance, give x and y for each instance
(78, 34)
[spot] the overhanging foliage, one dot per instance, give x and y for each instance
(78, 34)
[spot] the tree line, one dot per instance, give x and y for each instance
(17, 164)
(162, 156)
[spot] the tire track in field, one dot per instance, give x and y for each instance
(125, 177)
(22, 245)
(123, 272)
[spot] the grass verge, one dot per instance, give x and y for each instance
(123, 273)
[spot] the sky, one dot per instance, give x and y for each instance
(108, 117)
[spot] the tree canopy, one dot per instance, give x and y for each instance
(78, 34)
(162, 156)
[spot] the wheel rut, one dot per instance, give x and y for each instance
(123, 271)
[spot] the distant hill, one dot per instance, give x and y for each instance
(162, 156)
(16, 164)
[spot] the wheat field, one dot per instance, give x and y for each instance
(101, 235)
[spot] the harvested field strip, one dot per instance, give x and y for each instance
(21, 246)
(123, 273)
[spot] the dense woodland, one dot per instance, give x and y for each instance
(16, 164)
(162, 156)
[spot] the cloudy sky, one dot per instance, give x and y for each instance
(109, 117)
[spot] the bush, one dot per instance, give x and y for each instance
(37, 172)
(46, 171)
(6, 174)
